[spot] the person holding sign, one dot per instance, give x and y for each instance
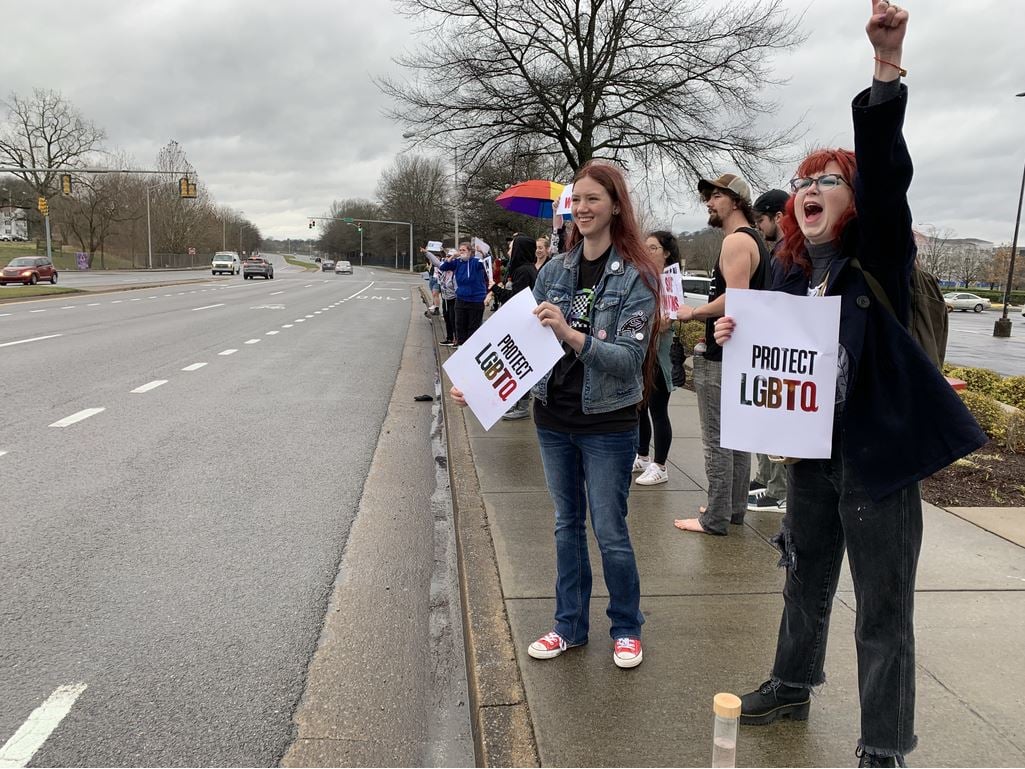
(471, 289)
(896, 420)
(601, 300)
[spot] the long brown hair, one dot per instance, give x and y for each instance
(794, 251)
(629, 244)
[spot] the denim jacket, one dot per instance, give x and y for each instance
(613, 354)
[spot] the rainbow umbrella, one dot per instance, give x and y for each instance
(533, 198)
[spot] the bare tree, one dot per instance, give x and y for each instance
(176, 222)
(967, 263)
(46, 131)
(700, 250)
(417, 189)
(668, 84)
(935, 250)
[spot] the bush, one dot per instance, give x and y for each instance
(979, 380)
(1011, 390)
(987, 412)
(690, 333)
(1014, 432)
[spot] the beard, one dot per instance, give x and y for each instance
(714, 220)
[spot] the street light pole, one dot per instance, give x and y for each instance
(1002, 328)
(149, 233)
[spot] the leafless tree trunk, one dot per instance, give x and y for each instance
(671, 85)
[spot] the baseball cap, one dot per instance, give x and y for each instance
(729, 182)
(771, 203)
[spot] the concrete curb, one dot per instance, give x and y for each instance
(503, 730)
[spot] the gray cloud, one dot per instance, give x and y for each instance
(274, 103)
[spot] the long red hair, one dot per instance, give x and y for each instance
(794, 251)
(628, 240)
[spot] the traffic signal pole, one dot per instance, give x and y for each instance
(352, 219)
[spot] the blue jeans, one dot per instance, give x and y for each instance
(829, 511)
(592, 471)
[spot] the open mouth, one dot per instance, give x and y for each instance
(812, 212)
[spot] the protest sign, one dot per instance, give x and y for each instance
(504, 358)
(779, 374)
(565, 201)
(434, 245)
(672, 290)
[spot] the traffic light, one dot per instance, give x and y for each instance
(312, 224)
(65, 184)
(44, 207)
(186, 189)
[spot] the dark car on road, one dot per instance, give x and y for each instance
(28, 270)
(257, 265)
(327, 265)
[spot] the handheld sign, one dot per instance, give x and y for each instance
(504, 358)
(672, 290)
(565, 203)
(779, 374)
(435, 246)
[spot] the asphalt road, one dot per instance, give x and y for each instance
(175, 551)
(971, 342)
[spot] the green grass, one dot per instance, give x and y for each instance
(40, 289)
(300, 263)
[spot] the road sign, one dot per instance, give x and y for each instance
(192, 252)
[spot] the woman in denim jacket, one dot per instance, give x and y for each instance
(897, 421)
(600, 299)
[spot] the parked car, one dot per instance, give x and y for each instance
(28, 270)
(965, 302)
(327, 265)
(343, 267)
(257, 265)
(225, 262)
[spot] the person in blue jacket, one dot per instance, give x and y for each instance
(471, 289)
(897, 420)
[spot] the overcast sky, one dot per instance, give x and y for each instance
(274, 104)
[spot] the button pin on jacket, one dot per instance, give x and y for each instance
(638, 336)
(863, 302)
(602, 334)
(615, 265)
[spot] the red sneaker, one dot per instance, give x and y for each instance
(627, 653)
(547, 646)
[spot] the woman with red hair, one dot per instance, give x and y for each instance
(600, 298)
(896, 420)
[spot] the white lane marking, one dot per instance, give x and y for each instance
(5, 314)
(78, 416)
(308, 285)
(33, 339)
(31, 735)
(308, 316)
(150, 386)
(317, 312)
(252, 341)
(151, 297)
(2, 453)
(167, 295)
(194, 367)
(94, 304)
(208, 307)
(272, 333)
(37, 311)
(139, 299)
(287, 325)
(360, 291)
(275, 293)
(227, 352)
(300, 320)
(117, 301)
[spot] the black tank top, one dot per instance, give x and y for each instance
(759, 280)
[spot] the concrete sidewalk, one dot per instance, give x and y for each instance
(712, 606)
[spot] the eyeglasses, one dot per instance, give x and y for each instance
(824, 182)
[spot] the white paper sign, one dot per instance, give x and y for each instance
(565, 201)
(505, 358)
(672, 290)
(434, 245)
(779, 374)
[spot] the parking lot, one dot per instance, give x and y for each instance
(971, 342)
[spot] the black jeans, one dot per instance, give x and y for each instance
(448, 312)
(657, 413)
(468, 319)
(828, 509)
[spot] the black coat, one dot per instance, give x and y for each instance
(901, 421)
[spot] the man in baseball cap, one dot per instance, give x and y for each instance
(731, 183)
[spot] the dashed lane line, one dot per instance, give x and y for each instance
(150, 386)
(31, 311)
(207, 307)
(23, 744)
(272, 333)
(252, 341)
(78, 416)
(275, 293)
(33, 339)
(194, 367)
(227, 352)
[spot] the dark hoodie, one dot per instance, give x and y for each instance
(522, 270)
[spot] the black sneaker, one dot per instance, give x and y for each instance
(756, 486)
(871, 759)
(774, 700)
(760, 500)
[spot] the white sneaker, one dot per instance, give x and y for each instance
(641, 464)
(653, 475)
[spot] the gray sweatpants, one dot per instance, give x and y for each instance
(728, 471)
(773, 475)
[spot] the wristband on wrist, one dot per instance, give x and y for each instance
(903, 72)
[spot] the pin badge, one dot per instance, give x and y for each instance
(638, 336)
(602, 334)
(615, 265)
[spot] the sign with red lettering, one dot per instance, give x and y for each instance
(672, 290)
(779, 373)
(504, 358)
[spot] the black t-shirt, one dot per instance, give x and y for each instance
(565, 411)
(761, 279)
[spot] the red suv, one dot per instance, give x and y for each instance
(28, 270)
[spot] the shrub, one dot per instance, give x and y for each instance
(690, 333)
(1014, 432)
(979, 380)
(987, 412)
(1011, 390)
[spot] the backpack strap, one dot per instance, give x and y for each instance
(875, 286)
